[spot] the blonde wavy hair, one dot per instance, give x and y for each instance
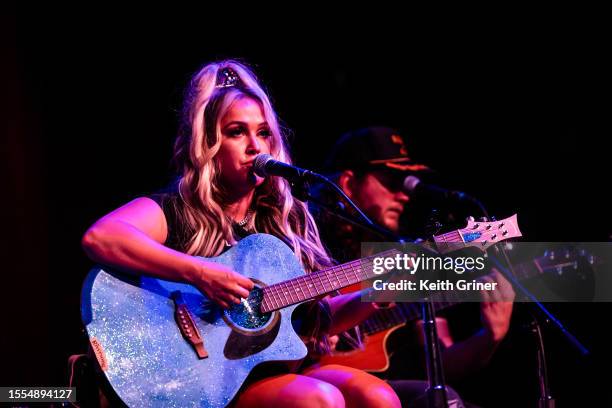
(198, 142)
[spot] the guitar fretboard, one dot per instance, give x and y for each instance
(297, 290)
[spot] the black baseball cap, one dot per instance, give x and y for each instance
(372, 148)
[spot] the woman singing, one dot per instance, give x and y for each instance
(227, 121)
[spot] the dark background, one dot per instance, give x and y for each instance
(512, 113)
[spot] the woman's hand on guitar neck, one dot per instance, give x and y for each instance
(220, 284)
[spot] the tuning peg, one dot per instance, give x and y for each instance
(483, 219)
(567, 254)
(471, 219)
(551, 255)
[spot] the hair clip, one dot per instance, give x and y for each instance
(227, 77)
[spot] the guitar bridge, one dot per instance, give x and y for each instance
(187, 326)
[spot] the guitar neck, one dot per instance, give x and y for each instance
(282, 294)
(297, 290)
(320, 283)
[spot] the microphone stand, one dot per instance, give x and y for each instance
(436, 392)
(546, 400)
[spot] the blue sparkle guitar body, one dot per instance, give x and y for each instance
(147, 360)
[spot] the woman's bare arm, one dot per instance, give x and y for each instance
(131, 239)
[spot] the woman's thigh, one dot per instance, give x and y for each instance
(290, 390)
(358, 388)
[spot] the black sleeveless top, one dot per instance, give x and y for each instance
(179, 231)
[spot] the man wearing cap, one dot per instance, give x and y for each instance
(370, 166)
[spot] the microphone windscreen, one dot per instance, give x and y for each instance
(411, 183)
(259, 164)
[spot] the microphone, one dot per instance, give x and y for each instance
(413, 185)
(264, 165)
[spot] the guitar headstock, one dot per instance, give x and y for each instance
(480, 234)
(483, 234)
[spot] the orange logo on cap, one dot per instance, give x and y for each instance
(398, 140)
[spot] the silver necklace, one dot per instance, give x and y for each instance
(246, 219)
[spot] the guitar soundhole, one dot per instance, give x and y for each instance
(246, 316)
